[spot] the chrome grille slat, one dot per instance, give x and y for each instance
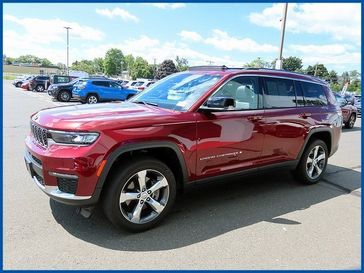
(39, 134)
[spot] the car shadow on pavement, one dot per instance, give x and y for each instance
(211, 210)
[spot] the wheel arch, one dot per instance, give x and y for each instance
(166, 151)
(317, 133)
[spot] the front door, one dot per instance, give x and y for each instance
(231, 139)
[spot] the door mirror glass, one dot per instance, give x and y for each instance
(219, 103)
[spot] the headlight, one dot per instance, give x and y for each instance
(74, 138)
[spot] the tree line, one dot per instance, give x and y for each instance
(115, 62)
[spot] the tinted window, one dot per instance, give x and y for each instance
(279, 93)
(101, 83)
(314, 94)
(244, 90)
(299, 94)
(42, 78)
(62, 79)
(114, 85)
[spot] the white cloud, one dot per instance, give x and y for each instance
(334, 54)
(168, 5)
(222, 40)
(151, 49)
(118, 12)
(42, 31)
(341, 21)
(190, 35)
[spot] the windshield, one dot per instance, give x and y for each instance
(178, 91)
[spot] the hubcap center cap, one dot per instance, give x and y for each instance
(144, 195)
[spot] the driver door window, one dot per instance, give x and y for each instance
(244, 90)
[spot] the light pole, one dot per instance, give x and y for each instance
(68, 69)
(280, 58)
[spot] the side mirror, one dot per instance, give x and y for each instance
(218, 104)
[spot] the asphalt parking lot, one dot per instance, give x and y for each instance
(263, 222)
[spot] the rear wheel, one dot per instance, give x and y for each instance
(313, 163)
(91, 99)
(39, 88)
(64, 96)
(18, 84)
(350, 123)
(140, 195)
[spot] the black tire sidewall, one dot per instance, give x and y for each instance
(60, 96)
(301, 169)
(111, 196)
(347, 124)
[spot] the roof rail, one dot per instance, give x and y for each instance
(207, 67)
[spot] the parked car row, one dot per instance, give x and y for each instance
(349, 110)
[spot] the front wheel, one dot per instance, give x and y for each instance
(18, 84)
(64, 96)
(91, 99)
(350, 123)
(140, 195)
(313, 163)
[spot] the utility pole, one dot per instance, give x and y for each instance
(279, 62)
(315, 70)
(154, 68)
(68, 68)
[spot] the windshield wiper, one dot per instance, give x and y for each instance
(145, 102)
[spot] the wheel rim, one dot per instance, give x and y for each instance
(64, 96)
(144, 196)
(316, 161)
(40, 88)
(92, 99)
(352, 121)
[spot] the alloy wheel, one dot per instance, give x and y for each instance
(92, 99)
(352, 121)
(144, 196)
(316, 161)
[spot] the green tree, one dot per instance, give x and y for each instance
(318, 70)
(167, 67)
(98, 64)
(292, 63)
(45, 62)
(258, 63)
(9, 60)
(129, 61)
(336, 87)
(345, 77)
(333, 78)
(141, 69)
(84, 65)
(182, 64)
(114, 62)
(29, 59)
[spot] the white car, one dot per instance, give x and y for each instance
(141, 85)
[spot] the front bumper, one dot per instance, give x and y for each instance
(65, 180)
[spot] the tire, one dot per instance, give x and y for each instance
(143, 210)
(18, 84)
(64, 96)
(39, 88)
(92, 99)
(304, 168)
(350, 123)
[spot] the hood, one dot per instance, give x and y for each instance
(103, 116)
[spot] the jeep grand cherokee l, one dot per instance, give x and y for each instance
(191, 126)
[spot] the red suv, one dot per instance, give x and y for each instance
(192, 126)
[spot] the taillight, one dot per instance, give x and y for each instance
(141, 88)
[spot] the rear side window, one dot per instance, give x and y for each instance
(101, 83)
(61, 79)
(314, 94)
(279, 93)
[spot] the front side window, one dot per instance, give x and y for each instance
(279, 93)
(243, 90)
(314, 94)
(114, 85)
(178, 91)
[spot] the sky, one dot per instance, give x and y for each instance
(229, 34)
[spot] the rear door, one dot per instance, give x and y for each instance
(286, 120)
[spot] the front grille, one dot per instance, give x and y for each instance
(39, 134)
(67, 185)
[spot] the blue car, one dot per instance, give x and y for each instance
(100, 90)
